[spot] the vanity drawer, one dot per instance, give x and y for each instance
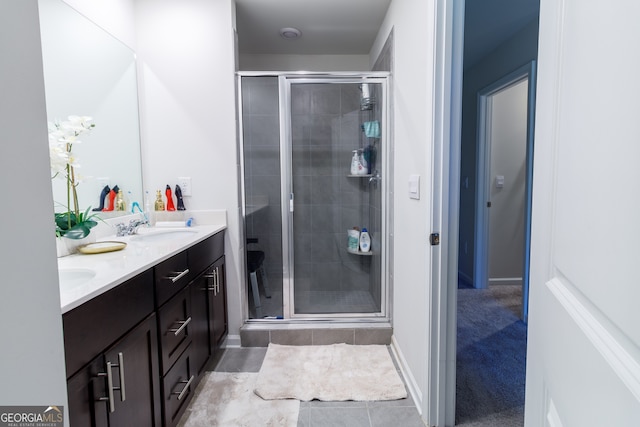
(204, 253)
(174, 328)
(178, 386)
(93, 326)
(171, 275)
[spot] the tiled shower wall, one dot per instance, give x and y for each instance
(261, 136)
(326, 121)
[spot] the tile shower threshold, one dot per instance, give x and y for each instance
(260, 333)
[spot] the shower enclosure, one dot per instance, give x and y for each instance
(299, 133)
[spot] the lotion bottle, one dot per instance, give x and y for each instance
(365, 241)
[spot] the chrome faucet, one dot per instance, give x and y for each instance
(123, 229)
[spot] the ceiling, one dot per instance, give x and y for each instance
(334, 27)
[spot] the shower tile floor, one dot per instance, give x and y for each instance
(320, 302)
(316, 413)
(312, 302)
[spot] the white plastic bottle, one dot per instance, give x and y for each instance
(356, 166)
(365, 241)
(363, 163)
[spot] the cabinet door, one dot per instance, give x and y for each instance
(200, 347)
(136, 390)
(218, 305)
(87, 394)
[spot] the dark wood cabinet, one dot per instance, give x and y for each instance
(218, 305)
(135, 354)
(119, 387)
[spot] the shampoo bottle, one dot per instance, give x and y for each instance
(355, 163)
(365, 241)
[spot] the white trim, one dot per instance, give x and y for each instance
(409, 379)
(483, 184)
(439, 406)
(499, 281)
(231, 341)
(605, 337)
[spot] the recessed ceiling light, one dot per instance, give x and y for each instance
(290, 33)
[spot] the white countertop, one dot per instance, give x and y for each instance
(113, 268)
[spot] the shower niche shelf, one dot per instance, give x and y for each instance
(360, 176)
(370, 253)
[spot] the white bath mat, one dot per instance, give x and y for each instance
(227, 400)
(335, 372)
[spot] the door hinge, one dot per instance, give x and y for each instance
(434, 239)
(488, 204)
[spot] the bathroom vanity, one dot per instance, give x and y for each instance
(137, 346)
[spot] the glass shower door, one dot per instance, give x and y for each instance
(329, 121)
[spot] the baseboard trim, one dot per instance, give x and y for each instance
(409, 379)
(505, 281)
(231, 341)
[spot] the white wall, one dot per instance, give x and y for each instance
(32, 368)
(115, 16)
(187, 112)
(413, 24)
(276, 62)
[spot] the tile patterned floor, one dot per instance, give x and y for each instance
(326, 414)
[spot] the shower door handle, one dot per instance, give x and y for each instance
(290, 202)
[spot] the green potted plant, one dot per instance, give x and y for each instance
(72, 223)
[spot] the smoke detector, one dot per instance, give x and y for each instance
(290, 33)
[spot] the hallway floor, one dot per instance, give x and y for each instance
(325, 414)
(491, 357)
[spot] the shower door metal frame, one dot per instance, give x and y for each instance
(287, 196)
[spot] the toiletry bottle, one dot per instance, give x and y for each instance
(159, 203)
(120, 204)
(363, 163)
(353, 241)
(170, 205)
(365, 241)
(354, 163)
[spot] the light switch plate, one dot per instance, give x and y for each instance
(414, 187)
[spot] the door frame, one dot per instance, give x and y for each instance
(483, 181)
(285, 81)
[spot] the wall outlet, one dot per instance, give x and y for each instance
(185, 185)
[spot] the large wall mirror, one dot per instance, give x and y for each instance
(87, 72)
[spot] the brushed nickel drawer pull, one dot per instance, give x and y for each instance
(109, 398)
(183, 325)
(120, 366)
(179, 276)
(186, 387)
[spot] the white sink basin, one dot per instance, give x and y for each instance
(159, 236)
(73, 277)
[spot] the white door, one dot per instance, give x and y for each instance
(508, 173)
(583, 362)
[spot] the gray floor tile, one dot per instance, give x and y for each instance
(304, 417)
(241, 359)
(387, 417)
(333, 404)
(339, 417)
